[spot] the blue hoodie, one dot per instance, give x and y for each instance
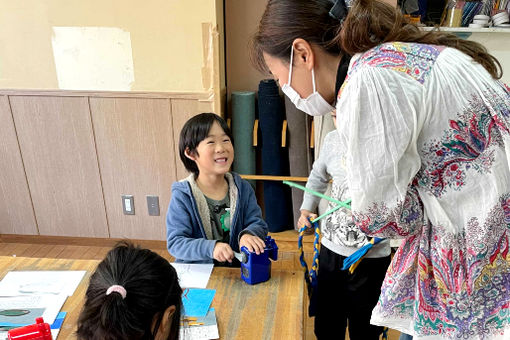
(188, 224)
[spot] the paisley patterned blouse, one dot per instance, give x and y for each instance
(427, 134)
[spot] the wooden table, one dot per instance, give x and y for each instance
(269, 310)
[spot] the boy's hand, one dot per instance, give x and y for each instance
(222, 252)
(253, 243)
(303, 219)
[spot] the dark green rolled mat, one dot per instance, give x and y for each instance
(300, 153)
(243, 118)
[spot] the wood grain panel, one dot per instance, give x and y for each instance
(135, 146)
(182, 110)
(16, 212)
(57, 146)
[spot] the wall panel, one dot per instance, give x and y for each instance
(57, 146)
(135, 146)
(16, 213)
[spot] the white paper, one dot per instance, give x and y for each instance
(93, 58)
(51, 304)
(209, 329)
(41, 282)
(193, 275)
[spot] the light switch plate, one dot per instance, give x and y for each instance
(128, 204)
(153, 205)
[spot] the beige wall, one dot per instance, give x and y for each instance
(498, 45)
(241, 21)
(164, 38)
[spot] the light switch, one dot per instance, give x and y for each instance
(153, 205)
(128, 204)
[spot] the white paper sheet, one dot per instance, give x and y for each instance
(209, 329)
(50, 303)
(41, 282)
(193, 275)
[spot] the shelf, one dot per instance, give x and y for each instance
(274, 178)
(469, 29)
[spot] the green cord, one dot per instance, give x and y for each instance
(340, 204)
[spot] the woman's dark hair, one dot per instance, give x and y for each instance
(195, 130)
(285, 20)
(368, 24)
(152, 286)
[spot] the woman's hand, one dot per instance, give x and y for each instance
(253, 243)
(303, 219)
(222, 252)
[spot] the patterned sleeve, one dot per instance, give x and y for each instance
(379, 118)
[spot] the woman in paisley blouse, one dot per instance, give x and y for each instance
(426, 128)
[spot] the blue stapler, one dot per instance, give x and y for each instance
(257, 268)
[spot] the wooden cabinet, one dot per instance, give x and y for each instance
(68, 157)
(16, 213)
(57, 146)
(135, 149)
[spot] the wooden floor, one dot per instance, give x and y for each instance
(96, 249)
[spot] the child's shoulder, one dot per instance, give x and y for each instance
(182, 185)
(238, 180)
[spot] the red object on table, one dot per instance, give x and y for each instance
(38, 331)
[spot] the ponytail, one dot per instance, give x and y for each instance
(129, 289)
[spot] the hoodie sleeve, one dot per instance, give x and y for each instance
(182, 242)
(318, 179)
(253, 222)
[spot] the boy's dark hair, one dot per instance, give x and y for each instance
(195, 130)
(151, 284)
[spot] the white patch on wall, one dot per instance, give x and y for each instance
(93, 58)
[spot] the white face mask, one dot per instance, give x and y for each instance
(314, 105)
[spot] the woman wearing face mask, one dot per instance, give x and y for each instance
(425, 125)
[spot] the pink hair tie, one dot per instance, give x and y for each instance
(117, 289)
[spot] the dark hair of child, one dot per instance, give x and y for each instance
(193, 132)
(151, 286)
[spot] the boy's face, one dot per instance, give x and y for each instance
(215, 154)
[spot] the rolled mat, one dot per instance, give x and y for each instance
(300, 153)
(243, 119)
(275, 160)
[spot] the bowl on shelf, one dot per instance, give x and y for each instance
(482, 17)
(482, 22)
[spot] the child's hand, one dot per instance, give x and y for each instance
(222, 252)
(253, 243)
(303, 219)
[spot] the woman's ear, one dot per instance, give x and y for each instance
(166, 324)
(189, 154)
(303, 54)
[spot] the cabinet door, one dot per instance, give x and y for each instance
(135, 147)
(57, 147)
(16, 213)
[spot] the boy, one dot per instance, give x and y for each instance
(213, 212)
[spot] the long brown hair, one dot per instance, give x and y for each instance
(368, 24)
